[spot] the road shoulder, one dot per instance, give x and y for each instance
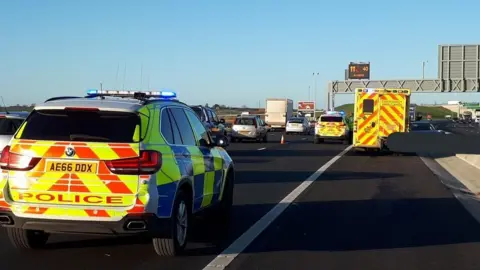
(461, 178)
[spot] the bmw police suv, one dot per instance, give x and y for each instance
(113, 162)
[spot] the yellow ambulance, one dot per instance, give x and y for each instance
(379, 112)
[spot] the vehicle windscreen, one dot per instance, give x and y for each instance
(420, 127)
(8, 126)
(91, 126)
(198, 111)
(296, 120)
(331, 119)
(245, 121)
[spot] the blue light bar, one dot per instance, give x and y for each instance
(125, 93)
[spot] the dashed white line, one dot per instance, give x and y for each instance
(260, 149)
(241, 243)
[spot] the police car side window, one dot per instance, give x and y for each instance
(199, 128)
(166, 127)
(184, 126)
(176, 131)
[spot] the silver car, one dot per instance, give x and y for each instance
(249, 127)
(9, 123)
(298, 125)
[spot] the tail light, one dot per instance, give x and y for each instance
(16, 162)
(149, 162)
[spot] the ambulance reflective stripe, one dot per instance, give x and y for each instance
(392, 119)
(365, 121)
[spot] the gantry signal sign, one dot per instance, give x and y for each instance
(306, 106)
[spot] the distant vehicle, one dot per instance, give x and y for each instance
(412, 112)
(249, 127)
(425, 127)
(332, 125)
(298, 125)
(277, 112)
(210, 120)
(9, 124)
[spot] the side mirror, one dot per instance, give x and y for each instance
(222, 121)
(221, 141)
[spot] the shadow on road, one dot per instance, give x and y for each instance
(369, 225)
(284, 153)
(251, 177)
(310, 226)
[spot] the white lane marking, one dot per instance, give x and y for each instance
(260, 149)
(241, 243)
(304, 139)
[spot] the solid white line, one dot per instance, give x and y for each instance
(260, 149)
(241, 243)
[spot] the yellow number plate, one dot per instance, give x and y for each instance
(71, 167)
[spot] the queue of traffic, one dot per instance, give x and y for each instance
(125, 162)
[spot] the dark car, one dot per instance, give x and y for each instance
(424, 127)
(210, 120)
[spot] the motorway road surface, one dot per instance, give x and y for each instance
(365, 212)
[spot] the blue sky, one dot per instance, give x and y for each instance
(227, 52)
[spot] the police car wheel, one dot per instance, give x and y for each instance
(27, 239)
(180, 222)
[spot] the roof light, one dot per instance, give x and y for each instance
(125, 93)
(332, 112)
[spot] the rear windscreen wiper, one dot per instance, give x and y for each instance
(81, 137)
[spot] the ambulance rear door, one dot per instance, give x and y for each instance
(366, 131)
(393, 112)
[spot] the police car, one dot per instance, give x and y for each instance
(113, 162)
(332, 125)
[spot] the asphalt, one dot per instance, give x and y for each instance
(364, 212)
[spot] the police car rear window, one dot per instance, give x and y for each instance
(335, 119)
(91, 126)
